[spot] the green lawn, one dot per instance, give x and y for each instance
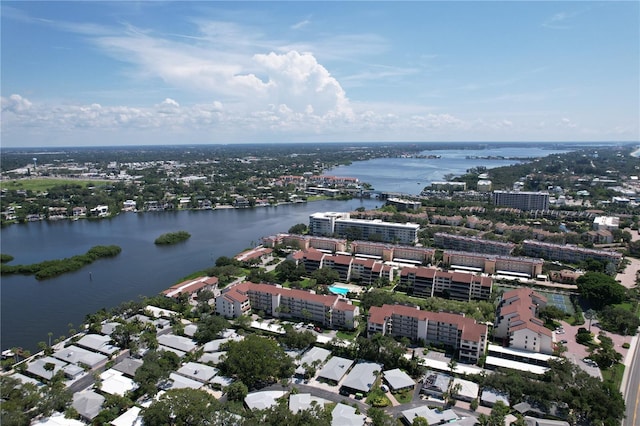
(614, 374)
(404, 397)
(42, 185)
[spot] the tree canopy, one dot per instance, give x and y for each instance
(600, 289)
(257, 361)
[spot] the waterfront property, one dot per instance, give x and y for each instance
(341, 224)
(462, 334)
(329, 310)
(191, 287)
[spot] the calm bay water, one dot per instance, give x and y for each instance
(412, 175)
(31, 308)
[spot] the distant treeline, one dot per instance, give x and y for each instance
(173, 237)
(53, 268)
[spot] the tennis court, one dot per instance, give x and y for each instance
(560, 301)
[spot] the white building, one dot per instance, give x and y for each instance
(608, 223)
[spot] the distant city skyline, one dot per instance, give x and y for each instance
(134, 73)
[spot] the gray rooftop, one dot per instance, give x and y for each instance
(88, 403)
(490, 396)
(436, 383)
(180, 343)
(98, 343)
(77, 355)
(398, 379)
(433, 417)
(196, 371)
(335, 368)
(345, 415)
(213, 357)
(304, 401)
(181, 382)
(128, 366)
(362, 376)
(262, 400)
(36, 367)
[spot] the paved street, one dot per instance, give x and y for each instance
(631, 385)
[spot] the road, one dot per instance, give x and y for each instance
(632, 389)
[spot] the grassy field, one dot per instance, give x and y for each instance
(614, 374)
(41, 184)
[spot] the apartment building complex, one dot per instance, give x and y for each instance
(340, 224)
(568, 253)
(430, 282)
(365, 270)
(402, 204)
(329, 310)
(472, 244)
(525, 267)
(457, 331)
(522, 200)
(518, 324)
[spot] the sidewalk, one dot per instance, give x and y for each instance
(627, 363)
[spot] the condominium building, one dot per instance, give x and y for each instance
(522, 200)
(472, 244)
(402, 204)
(276, 301)
(525, 267)
(568, 253)
(608, 223)
(518, 324)
(430, 282)
(457, 331)
(340, 224)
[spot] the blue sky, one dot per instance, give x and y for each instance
(129, 73)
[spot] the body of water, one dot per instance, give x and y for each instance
(412, 175)
(31, 308)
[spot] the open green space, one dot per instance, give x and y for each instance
(42, 185)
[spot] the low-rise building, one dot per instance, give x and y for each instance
(472, 244)
(569, 253)
(430, 282)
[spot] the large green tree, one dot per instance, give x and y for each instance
(600, 289)
(257, 361)
(184, 407)
(209, 328)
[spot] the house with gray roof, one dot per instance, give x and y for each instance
(76, 355)
(196, 371)
(128, 366)
(345, 415)
(221, 382)
(489, 397)
(433, 416)
(175, 351)
(362, 376)
(176, 381)
(108, 327)
(315, 354)
(304, 401)
(26, 379)
(88, 404)
(398, 380)
(435, 384)
(214, 345)
(98, 343)
(212, 358)
(534, 421)
(37, 367)
(335, 369)
(190, 329)
(180, 343)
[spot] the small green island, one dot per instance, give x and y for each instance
(53, 268)
(172, 238)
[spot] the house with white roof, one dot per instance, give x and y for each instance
(131, 417)
(335, 369)
(489, 397)
(115, 383)
(398, 380)
(57, 419)
(433, 416)
(362, 377)
(467, 390)
(263, 400)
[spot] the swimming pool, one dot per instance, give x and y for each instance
(338, 290)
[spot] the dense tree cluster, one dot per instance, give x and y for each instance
(53, 268)
(172, 238)
(257, 361)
